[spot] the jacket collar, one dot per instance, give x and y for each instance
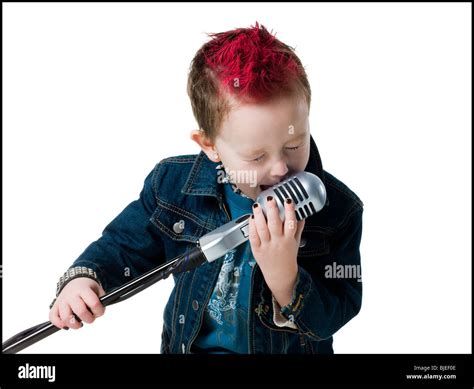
(202, 179)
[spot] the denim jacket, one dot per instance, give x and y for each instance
(181, 201)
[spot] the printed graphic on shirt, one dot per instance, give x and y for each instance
(226, 291)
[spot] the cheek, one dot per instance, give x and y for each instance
(255, 172)
(245, 174)
(301, 160)
(298, 161)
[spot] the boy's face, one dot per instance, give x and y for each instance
(262, 144)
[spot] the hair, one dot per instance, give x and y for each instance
(249, 65)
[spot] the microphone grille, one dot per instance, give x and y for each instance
(305, 189)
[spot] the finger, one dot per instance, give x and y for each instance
(290, 227)
(80, 309)
(261, 224)
(68, 318)
(253, 235)
(299, 230)
(273, 218)
(92, 301)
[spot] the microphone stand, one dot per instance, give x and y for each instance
(186, 261)
(305, 189)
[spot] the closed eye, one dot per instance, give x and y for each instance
(259, 158)
(287, 148)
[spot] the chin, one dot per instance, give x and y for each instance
(253, 193)
(258, 190)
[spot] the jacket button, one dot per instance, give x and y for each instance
(195, 305)
(302, 242)
(178, 227)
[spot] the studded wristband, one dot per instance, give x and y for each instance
(72, 273)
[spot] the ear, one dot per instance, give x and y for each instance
(205, 144)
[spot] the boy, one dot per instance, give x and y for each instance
(251, 97)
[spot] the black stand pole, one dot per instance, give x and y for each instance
(186, 261)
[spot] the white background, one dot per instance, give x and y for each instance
(95, 94)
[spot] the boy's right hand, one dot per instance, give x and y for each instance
(79, 297)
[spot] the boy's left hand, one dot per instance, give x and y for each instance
(275, 247)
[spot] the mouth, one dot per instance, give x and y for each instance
(265, 187)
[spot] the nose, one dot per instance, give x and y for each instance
(279, 169)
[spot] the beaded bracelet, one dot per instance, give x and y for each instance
(72, 273)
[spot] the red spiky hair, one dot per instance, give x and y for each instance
(249, 63)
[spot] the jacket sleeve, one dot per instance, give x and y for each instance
(130, 245)
(323, 302)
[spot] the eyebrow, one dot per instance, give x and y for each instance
(254, 152)
(300, 136)
(251, 153)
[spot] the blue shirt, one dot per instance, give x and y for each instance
(225, 326)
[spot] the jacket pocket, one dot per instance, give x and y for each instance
(179, 224)
(314, 242)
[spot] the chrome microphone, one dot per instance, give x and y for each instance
(305, 189)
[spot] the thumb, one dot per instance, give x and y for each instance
(98, 290)
(101, 291)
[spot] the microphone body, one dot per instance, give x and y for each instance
(305, 189)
